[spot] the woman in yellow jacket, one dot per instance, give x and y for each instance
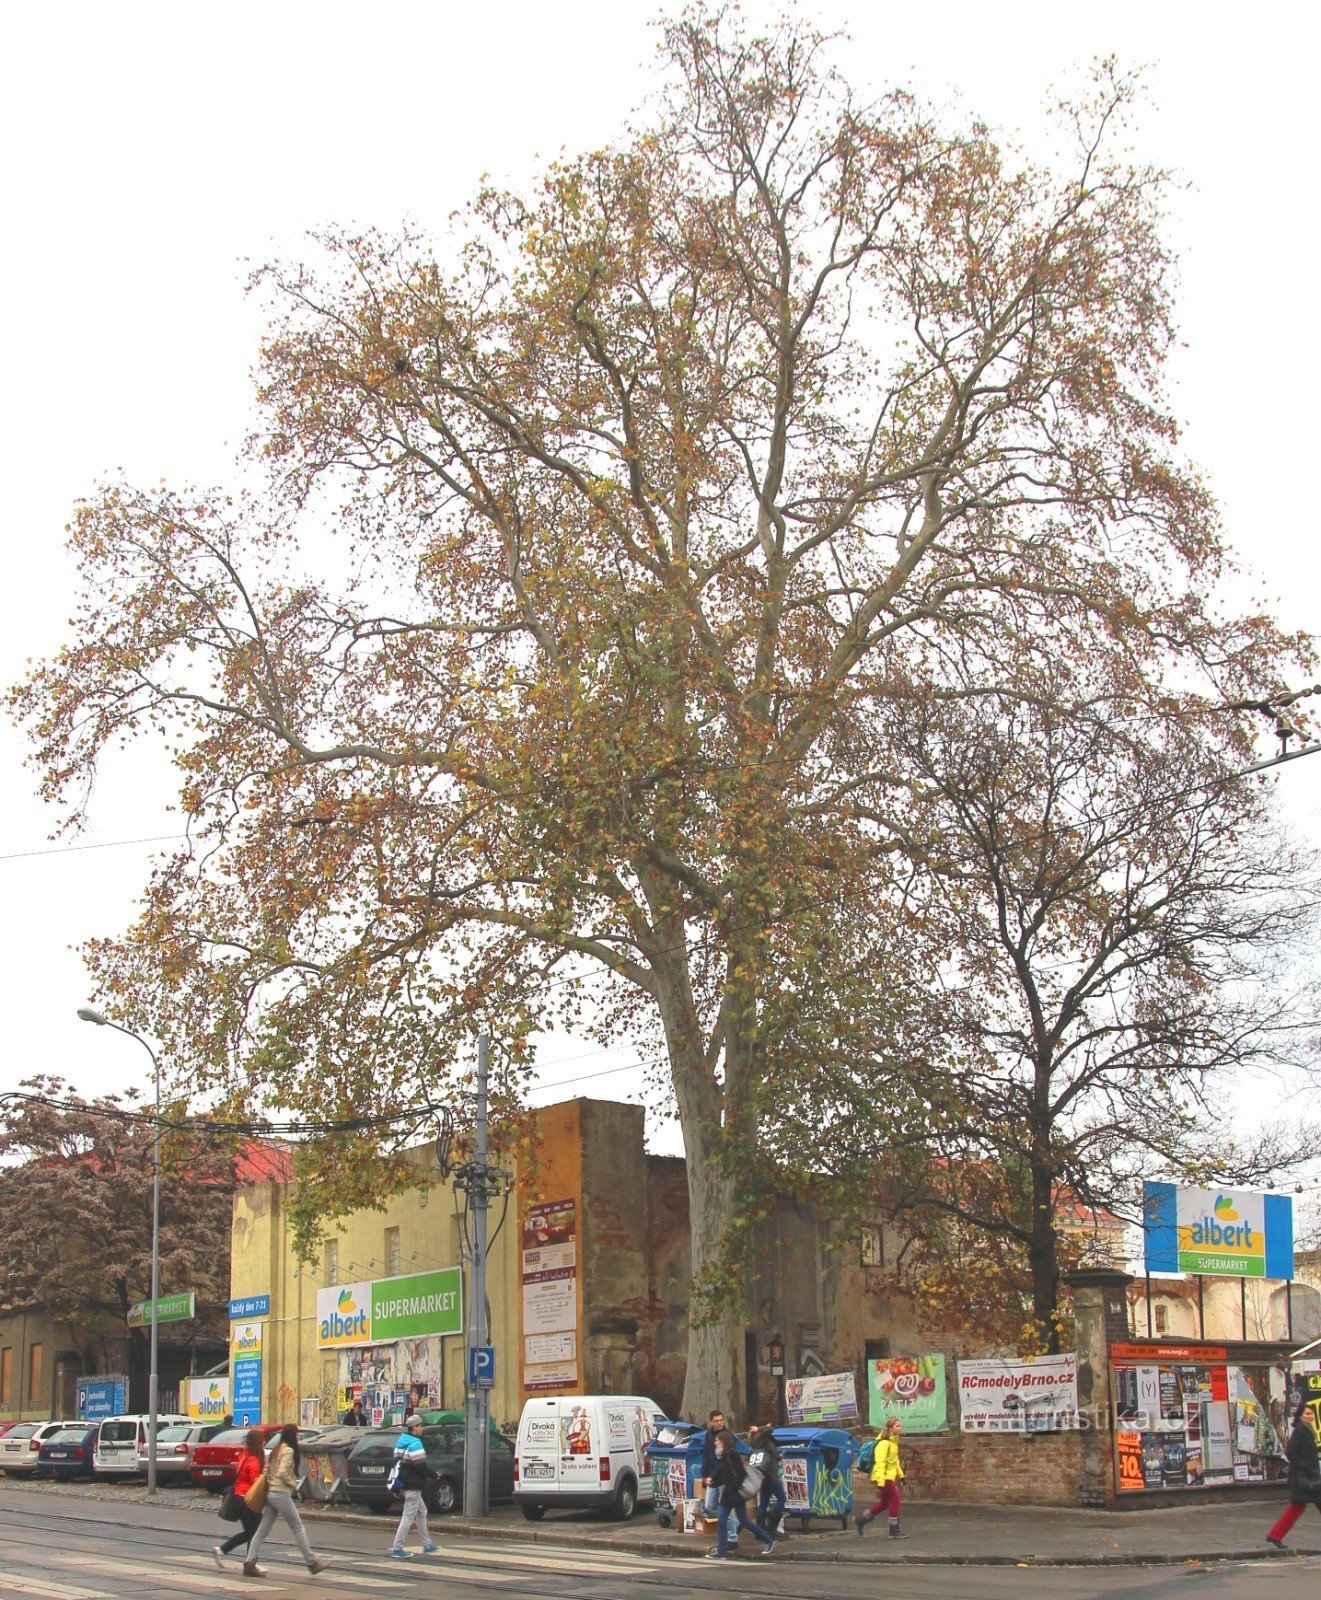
(885, 1474)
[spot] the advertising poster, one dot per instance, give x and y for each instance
(1036, 1395)
(833, 1397)
(793, 1475)
(1129, 1446)
(550, 1296)
(911, 1388)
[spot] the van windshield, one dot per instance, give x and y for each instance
(119, 1432)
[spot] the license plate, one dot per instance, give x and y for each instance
(58, 1455)
(534, 1470)
(212, 1472)
(372, 1471)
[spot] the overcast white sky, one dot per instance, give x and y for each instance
(150, 150)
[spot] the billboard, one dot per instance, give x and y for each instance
(911, 1388)
(1037, 1394)
(382, 1310)
(1236, 1233)
(208, 1399)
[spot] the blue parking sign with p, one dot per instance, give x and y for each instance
(481, 1367)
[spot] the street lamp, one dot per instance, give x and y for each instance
(87, 1014)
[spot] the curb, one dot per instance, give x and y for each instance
(789, 1549)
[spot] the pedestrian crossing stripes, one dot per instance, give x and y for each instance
(102, 1575)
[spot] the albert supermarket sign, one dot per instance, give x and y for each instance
(419, 1306)
(1227, 1233)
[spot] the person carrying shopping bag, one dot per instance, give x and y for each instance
(281, 1477)
(885, 1474)
(249, 1467)
(414, 1475)
(1304, 1474)
(727, 1476)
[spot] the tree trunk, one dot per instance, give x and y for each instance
(714, 1376)
(1044, 1261)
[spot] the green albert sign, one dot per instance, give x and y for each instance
(414, 1307)
(169, 1308)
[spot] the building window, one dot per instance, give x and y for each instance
(1162, 1319)
(332, 1261)
(873, 1247)
(34, 1373)
(6, 1376)
(392, 1251)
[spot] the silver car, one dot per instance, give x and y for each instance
(175, 1443)
(20, 1446)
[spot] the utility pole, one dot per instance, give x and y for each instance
(476, 1178)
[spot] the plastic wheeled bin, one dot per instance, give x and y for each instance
(816, 1469)
(325, 1461)
(675, 1451)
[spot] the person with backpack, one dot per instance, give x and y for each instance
(732, 1488)
(249, 1467)
(765, 1458)
(885, 1474)
(281, 1476)
(410, 1474)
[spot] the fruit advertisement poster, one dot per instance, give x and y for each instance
(911, 1388)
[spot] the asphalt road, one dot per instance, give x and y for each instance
(53, 1549)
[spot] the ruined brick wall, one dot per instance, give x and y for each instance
(663, 1331)
(1044, 1469)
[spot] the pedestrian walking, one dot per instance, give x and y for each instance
(248, 1468)
(765, 1458)
(282, 1504)
(1304, 1474)
(886, 1473)
(710, 1494)
(414, 1475)
(727, 1476)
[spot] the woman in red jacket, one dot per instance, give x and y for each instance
(251, 1464)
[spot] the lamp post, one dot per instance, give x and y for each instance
(87, 1014)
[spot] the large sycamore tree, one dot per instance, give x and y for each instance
(584, 562)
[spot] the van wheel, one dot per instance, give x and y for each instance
(626, 1499)
(534, 1513)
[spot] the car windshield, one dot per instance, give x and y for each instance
(68, 1436)
(172, 1434)
(230, 1436)
(25, 1430)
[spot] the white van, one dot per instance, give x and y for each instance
(585, 1450)
(118, 1440)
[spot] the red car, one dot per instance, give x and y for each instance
(214, 1462)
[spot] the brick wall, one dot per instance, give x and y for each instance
(1044, 1469)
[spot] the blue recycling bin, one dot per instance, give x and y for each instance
(816, 1469)
(675, 1451)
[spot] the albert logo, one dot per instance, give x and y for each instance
(346, 1322)
(1224, 1229)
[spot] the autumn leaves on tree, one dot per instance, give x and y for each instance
(611, 591)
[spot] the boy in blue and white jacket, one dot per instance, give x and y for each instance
(414, 1473)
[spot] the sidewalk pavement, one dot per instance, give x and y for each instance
(938, 1534)
(950, 1535)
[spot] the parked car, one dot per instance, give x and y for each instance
(69, 1453)
(214, 1462)
(174, 1449)
(21, 1444)
(585, 1450)
(371, 1458)
(119, 1439)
